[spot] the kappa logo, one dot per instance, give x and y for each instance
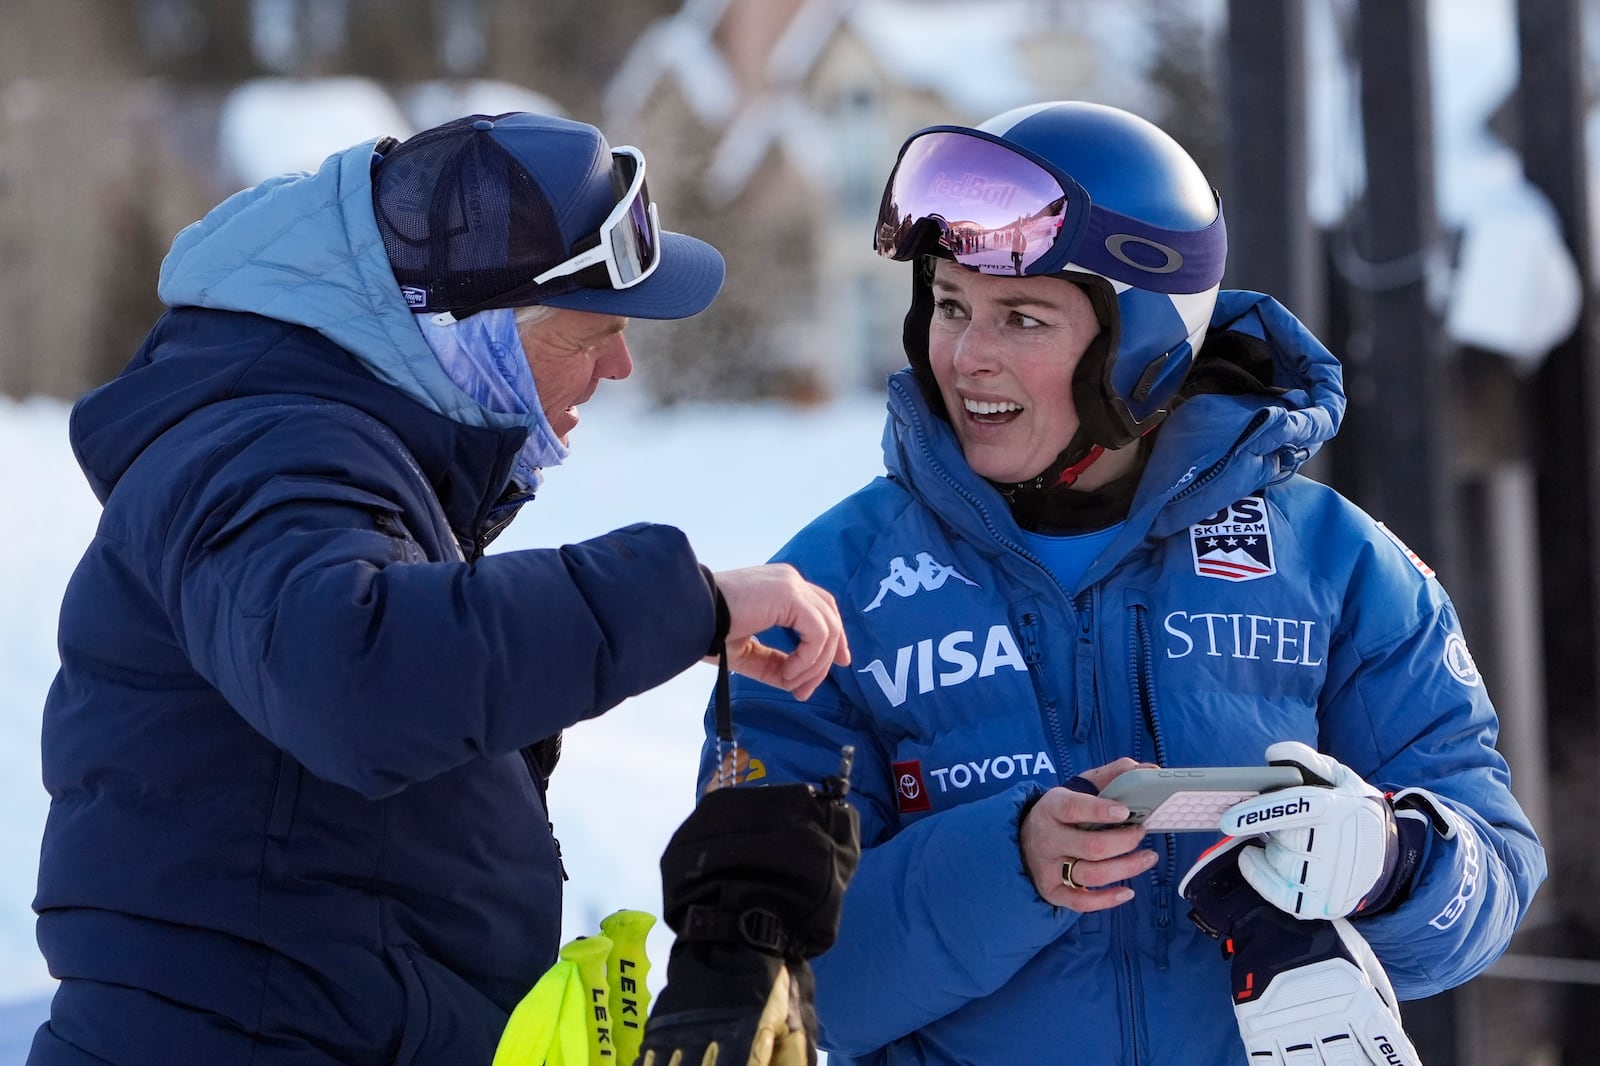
(1235, 544)
(929, 576)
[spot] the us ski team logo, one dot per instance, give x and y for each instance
(1235, 544)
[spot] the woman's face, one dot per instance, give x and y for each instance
(1003, 351)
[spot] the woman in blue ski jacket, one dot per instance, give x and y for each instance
(298, 746)
(1092, 550)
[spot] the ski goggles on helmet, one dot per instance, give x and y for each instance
(628, 242)
(965, 195)
(998, 208)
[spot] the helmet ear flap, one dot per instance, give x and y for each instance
(914, 332)
(1089, 399)
(1102, 419)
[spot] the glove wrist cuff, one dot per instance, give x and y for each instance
(755, 927)
(1410, 843)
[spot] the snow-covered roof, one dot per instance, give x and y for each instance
(971, 56)
(783, 121)
(805, 38)
(680, 46)
(273, 126)
(966, 54)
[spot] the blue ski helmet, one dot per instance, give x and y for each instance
(1089, 193)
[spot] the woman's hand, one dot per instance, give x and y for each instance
(1054, 849)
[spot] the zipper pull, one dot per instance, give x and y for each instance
(561, 862)
(1083, 669)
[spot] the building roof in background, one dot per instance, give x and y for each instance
(681, 48)
(972, 57)
(272, 126)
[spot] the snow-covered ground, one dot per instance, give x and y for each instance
(739, 481)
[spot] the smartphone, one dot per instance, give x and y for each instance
(1191, 799)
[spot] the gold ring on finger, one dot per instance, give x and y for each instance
(1066, 875)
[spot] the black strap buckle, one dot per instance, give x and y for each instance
(756, 928)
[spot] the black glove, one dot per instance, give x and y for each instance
(1304, 990)
(752, 883)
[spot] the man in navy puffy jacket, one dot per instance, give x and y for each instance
(298, 746)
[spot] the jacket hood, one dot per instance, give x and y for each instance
(193, 359)
(1215, 447)
(305, 249)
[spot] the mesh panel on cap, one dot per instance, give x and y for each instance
(462, 222)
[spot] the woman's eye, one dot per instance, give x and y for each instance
(948, 309)
(1024, 321)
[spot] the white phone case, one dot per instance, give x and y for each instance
(1192, 799)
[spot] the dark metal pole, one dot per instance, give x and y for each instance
(1402, 454)
(1563, 412)
(1271, 244)
(1566, 393)
(1395, 253)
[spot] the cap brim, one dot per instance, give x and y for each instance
(688, 279)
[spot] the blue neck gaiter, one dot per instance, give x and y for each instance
(483, 356)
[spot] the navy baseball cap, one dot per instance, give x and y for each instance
(520, 209)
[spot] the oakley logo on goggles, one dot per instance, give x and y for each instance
(998, 209)
(629, 240)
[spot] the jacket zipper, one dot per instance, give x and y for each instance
(1161, 875)
(1033, 655)
(1083, 614)
(1032, 648)
(1220, 465)
(1083, 688)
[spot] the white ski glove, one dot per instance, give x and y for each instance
(1340, 1010)
(1330, 848)
(1305, 993)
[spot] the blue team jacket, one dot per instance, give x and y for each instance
(1241, 604)
(291, 819)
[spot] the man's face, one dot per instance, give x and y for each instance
(569, 352)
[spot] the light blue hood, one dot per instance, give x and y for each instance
(305, 248)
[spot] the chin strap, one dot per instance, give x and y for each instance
(1063, 471)
(1069, 475)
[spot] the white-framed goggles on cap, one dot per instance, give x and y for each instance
(628, 242)
(997, 208)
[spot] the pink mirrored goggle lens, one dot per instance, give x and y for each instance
(991, 209)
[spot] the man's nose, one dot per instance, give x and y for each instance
(615, 361)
